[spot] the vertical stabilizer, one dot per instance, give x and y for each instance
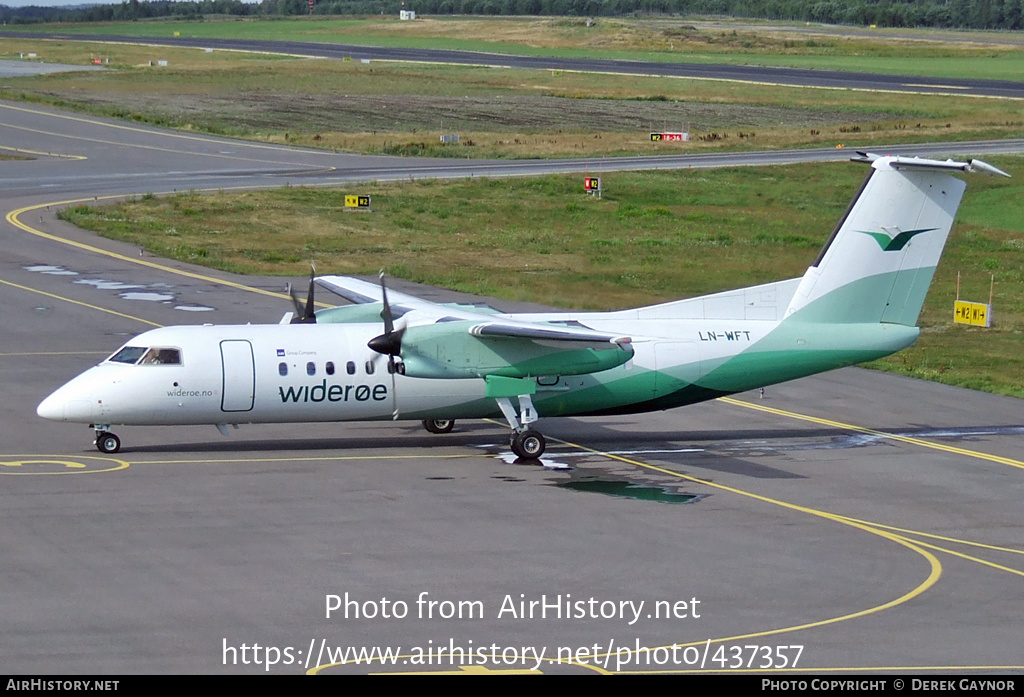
(880, 260)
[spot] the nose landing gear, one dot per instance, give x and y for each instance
(106, 442)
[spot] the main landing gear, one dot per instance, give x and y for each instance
(439, 425)
(106, 442)
(527, 443)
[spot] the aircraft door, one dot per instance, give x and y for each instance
(239, 371)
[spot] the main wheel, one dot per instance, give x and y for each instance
(528, 444)
(108, 443)
(439, 425)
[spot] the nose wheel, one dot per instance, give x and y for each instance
(107, 442)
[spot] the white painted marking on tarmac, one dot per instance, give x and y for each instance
(937, 87)
(51, 270)
(153, 297)
(102, 284)
(634, 452)
(510, 458)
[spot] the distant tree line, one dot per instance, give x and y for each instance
(972, 14)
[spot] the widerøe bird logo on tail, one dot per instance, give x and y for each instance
(889, 243)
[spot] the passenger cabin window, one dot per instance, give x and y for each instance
(161, 356)
(369, 367)
(330, 368)
(311, 368)
(282, 368)
(129, 355)
(350, 368)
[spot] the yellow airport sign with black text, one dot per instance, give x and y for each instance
(357, 201)
(977, 314)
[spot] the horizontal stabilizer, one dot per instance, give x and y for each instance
(897, 162)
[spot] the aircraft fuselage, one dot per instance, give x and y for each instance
(237, 374)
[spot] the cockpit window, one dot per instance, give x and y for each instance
(161, 356)
(129, 355)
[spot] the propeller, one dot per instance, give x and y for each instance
(307, 314)
(390, 342)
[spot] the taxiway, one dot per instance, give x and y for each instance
(870, 519)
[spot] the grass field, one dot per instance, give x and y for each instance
(402, 108)
(932, 53)
(653, 237)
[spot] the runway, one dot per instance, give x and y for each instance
(754, 74)
(873, 521)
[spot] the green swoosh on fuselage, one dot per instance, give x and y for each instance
(894, 244)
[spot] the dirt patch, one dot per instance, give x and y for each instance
(263, 112)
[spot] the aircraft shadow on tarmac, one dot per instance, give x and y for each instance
(481, 434)
(721, 452)
(740, 452)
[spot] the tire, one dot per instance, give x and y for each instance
(528, 445)
(439, 425)
(108, 443)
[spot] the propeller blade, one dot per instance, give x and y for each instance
(389, 318)
(310, 314)
(390, 342)
(307, 314)
(392, 368)
(295, 302)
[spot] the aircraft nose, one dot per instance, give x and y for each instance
(72, 402)
(51, 408)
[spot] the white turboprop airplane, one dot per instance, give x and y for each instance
(858, 301)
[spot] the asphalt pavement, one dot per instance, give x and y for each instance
(854, 521)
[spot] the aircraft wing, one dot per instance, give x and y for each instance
(460, 341)
(356, 291)
(362, 292)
